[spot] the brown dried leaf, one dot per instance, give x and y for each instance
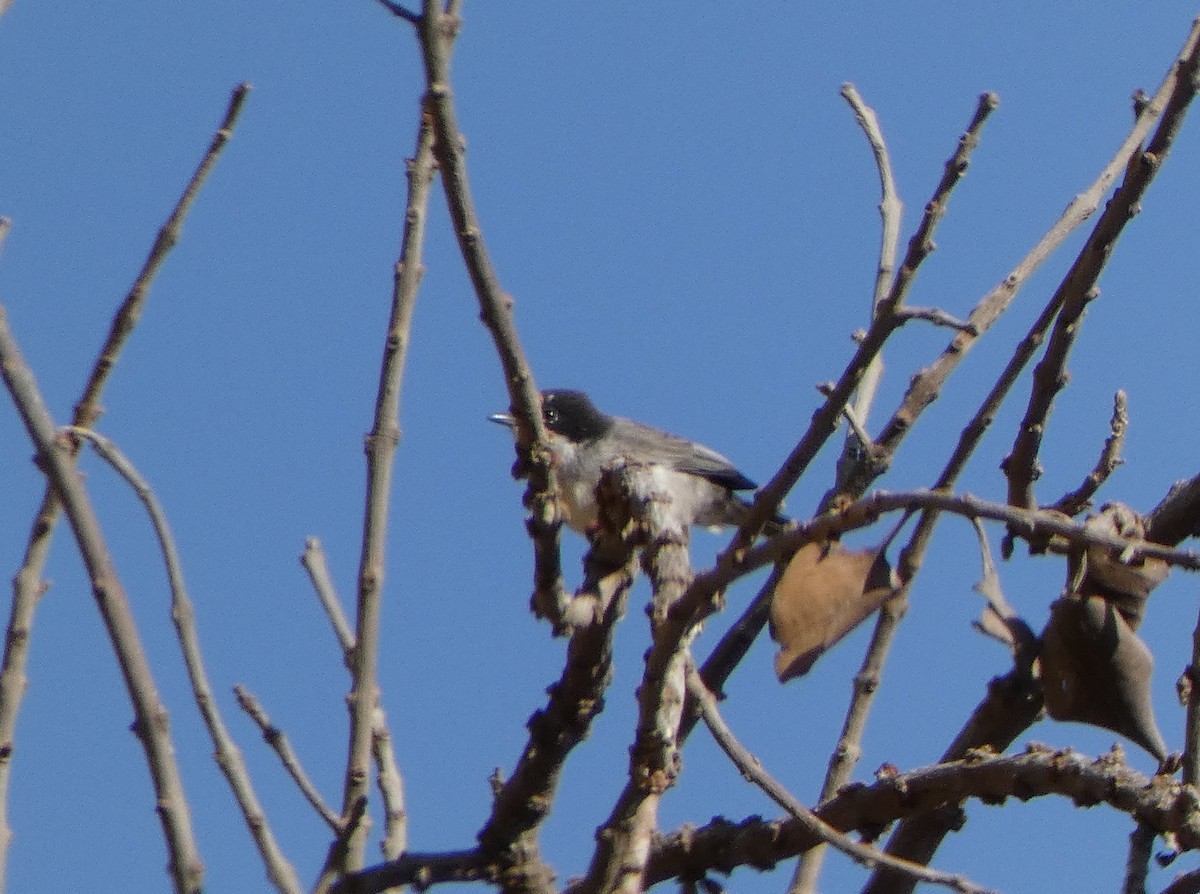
(1096, 670)
(825, 592)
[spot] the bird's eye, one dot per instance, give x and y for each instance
(550, 415)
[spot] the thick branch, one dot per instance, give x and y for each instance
(723, 846)
(522, 803)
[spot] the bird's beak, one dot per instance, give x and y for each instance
(504, 419)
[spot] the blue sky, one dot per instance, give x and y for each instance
(684, 211)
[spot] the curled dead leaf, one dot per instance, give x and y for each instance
(825, 592)
(1096, 670)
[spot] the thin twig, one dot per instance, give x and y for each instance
(1062, 531)
(28, 587)
(750, 768)
(313, 560)
(437, 30)
(937, 317)
(88, 410)
(1079, 500)
(1171, 102)
(400, 12)
(278, 740)
(56, 457)
(364, 697)
(391, 789)
(228, 756)
(891, 210)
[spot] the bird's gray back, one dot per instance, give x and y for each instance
(652, 445)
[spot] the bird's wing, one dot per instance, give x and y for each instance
(680, 454)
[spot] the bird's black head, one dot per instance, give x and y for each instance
(573, 415)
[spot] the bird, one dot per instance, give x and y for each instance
(701, 483)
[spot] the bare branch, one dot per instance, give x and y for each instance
(618, 862)
(722, 845)
(750, 768)
(381, 446)
(28, 587)
(437, 31)
(825, 419)
(1188, 688)
(937, 317)
(56, 457)
(313, 560)
(1079, 500)
(1141, 847)
(890, 211)
(871, 464)
(400, 12)
(88, 410)
(1173, 95)
(523, 801)
(1177, 516)
(921, 244)
(391, 789)
(1050, 376)
(422, 870)
(278, 740)
(183, 613)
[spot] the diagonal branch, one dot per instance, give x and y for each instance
(27, 584)
(728, 653)
(56, 455)
(437, 30)
(750, 768)
(183, 613)
(1171, 102)
(278, 740)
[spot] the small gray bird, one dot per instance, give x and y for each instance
(583, 439)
